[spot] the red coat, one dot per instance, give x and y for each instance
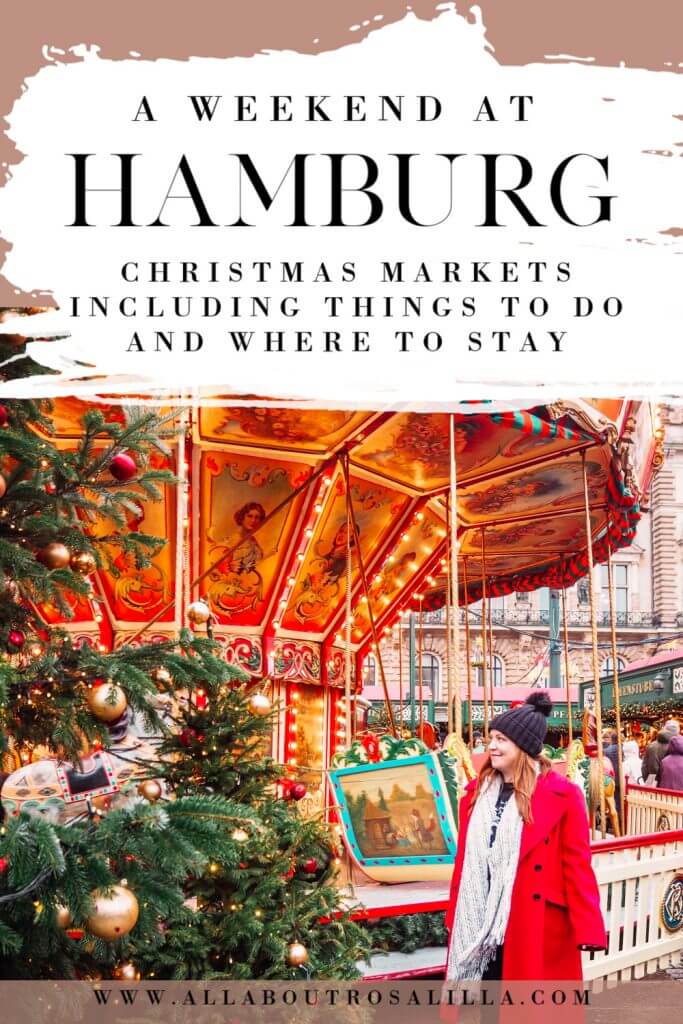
(555, 904)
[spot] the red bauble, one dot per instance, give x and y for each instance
(50, 487)
(4, 864)
(16, 638)
(122, 467)
(4, 416)
(75, 933)
(297, 791)
(310, 866)
(187, 737)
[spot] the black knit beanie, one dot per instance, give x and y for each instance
(527, 724)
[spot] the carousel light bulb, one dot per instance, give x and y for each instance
(308, 532)
(405, 537)
(301, 556)
(283, 602)
(327, 480)
(391, 559)
(292, 760)
(291, 581)
(294, 694)
(420, 516)
(292, 746)
(318, 508)
(276, 624)
(430, 580)
(378, 577)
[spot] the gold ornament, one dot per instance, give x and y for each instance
(126, 972)
(101, 703)
(114, 915)
(83, 563)
(151, 790)
(198, 612)
(259, 705)
(55, 556)
(240, 836)
(63, 916)
(297, 954)
(3, 486)
(161, 676)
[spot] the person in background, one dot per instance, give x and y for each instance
(670, 775)
(632, 763)
(654, 753)
(673, 726)
(478, 747)
(611, 750)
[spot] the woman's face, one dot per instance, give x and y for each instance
(503, 754)
(252, 519)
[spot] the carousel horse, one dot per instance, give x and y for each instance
(584, 770)
(456, 748)
(60, 791)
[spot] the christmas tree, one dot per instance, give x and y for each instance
(272, 901)
(117, 857)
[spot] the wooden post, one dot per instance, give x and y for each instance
(615, 684)
(594, 637)
(484, 644)
(468, 654)
(454, 662)
(566, 666)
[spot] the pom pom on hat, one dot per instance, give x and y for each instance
(541, 702)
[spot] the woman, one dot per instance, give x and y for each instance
(524, 900)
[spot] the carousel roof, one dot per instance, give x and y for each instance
(274, 563)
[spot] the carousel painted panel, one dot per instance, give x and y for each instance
(321, 581)
(414, 448)
(296, 660)
(237, 493)
(293, 430)
(398, 816)
(245, 652)
(334, 673)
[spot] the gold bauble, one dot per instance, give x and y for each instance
(260, 705)
(297, 954)
(150, 789)
(55, 556)
(114, 915)
(126, 972)
(63, 916)
(102, 705)
(240, 836)
(198, 612)
(83, 563)
(3, 486)
(161, 676)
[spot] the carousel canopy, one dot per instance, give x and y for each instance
(269, 529)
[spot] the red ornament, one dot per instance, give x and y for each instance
(310, 866)
(16, 638)
(289, 874)
(4, 416)
(4, 864)
(297, 791)
(51, 487)
(122, 467)
(371, 747)
(75, 933)
(187, 737)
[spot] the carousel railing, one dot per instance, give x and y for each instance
(641, 901)
(650, 809)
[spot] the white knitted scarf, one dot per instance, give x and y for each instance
(488, 875)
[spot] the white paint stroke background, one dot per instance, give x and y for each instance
(628, 114)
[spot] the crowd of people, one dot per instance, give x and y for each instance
(660, 764)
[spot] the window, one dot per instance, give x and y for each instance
(620, 581)
(370, 673)
(608, 666)
(583, 592)
(431, 674)
(544, 604)
(497, 672)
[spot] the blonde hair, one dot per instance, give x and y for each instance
(524, 775)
